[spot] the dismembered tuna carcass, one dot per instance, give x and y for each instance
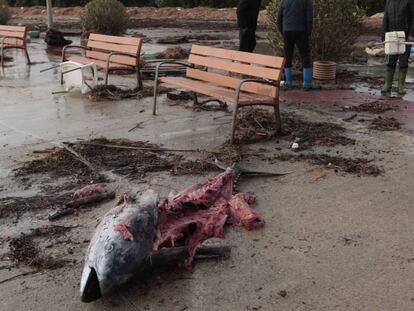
(142, 232)
(200, 212)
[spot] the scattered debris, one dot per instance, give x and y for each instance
(172, 40)
(180, 95)
(16, 206)
(358, 166)
(137, 126)
(308, 134)
(377, 106)
(318, 173)
(55, 38)
(182, 98)
(112, 92)
(131, 159)
(258, 124)
(174, 52)
(350, 118)
(385, 124)
(25, 251)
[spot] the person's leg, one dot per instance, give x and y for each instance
(289, 47)
(403, 69)
(246, 20)
(389, 74)
(302, 42)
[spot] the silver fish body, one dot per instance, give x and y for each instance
(120, 246)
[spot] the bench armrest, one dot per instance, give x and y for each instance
(3, 39)
(67, 47)
(263, 81)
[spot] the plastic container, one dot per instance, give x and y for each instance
(395, 43)
(324, 70)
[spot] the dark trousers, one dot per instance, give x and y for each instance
(401, 59)
(301, 40)
(247, 15)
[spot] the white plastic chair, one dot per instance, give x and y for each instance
(74, 76)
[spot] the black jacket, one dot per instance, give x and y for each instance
(399, 16)
(295, 15)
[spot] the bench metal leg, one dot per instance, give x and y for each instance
(27, 56)
(234, 122)
(139, 79)
(154, 109)
(277, 118)
(106, 77)
(2, 56)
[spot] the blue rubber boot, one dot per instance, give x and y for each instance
(307, 80)
(288, 78)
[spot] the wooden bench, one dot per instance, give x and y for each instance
(109, 53)
(259, 86)
(13, 37)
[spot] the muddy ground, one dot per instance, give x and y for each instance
(199, 17)
(338, 232)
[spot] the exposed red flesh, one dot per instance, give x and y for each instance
(200, 212)
(242, 214)
(123, 229)
(89, 190)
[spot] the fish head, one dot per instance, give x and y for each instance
(112, 259)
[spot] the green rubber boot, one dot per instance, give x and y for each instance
(389, 77)
(401, 81)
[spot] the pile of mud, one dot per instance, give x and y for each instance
(16, 206)
(113, 92)
(259, 124)
(385, 124)
(25, 249)
(124, 157)
(377, 107)
(357, 166)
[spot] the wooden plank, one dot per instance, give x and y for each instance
(125, 60)
(5, 33)
(218, 79)
(115, 39)
(255, 71)
(13, 28)
(215, 91)
(113, 47)
(16, 42)
(252, 58)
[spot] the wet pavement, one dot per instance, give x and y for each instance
(340, 243)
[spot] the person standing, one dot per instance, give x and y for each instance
(247, 15)
(398, 16)
(295, 22)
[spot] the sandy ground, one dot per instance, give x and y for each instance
(341, 242)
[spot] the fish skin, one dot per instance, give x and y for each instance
(112, 259)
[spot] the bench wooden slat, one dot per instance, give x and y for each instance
(260, 72)
(215, 91)
(5, 33)
(113, 47)
(258, 59)
(13, 28)
(125, 60)
(219, 79)
(100, 64)
(14, 42)
(115, 39)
